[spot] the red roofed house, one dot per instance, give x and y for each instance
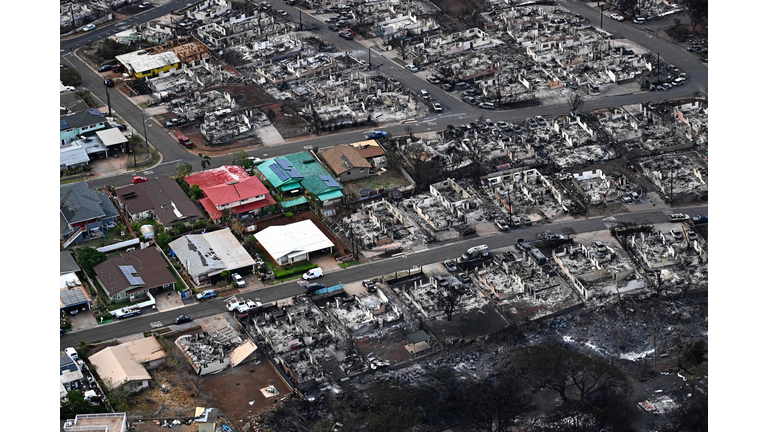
(230, 188)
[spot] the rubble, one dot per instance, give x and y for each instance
(310, 348)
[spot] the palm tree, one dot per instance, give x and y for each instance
(205, 161)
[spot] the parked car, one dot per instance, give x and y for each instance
(118, 68)
(502, 125)
(333, 27)
(121, 127)
(411, 68)
(314, 273)
(314, 287)
(617, 17)
(464, 278)
(145, 5)
(526, 221)
(71, 352)
(109, 83)
(500, 224)
(256, 160)
(541, 122)
(377, 135)
(206, 294)
(532, 124)
(433, 79)
(639, 20)
(282, 12)
(486, 105)
(517, 129)
(678, 217)
(105, 68)
(138, 179)
(127, 312)
(676, 233)
(450, 265)
(181, 319)
(699, 219)
(89, 27)
(424, 94)
(238, 280)
(437, 107)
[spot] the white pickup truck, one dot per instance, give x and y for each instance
(235, 303)
(249, 304)
(241, 305)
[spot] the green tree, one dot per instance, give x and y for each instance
(163, 239)
(88, 258)
(205, 161)
(70, 77)
(74, 403)
(240, 158)
(183, 169)
(196, 192)
(226, 274)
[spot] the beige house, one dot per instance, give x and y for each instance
(126, 364)
(346, 163)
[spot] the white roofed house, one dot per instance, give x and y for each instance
(288, 244)
(204, 256)
(126, 365)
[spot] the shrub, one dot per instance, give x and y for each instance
(226, 274)
(289, 214)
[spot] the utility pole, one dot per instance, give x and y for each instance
(601, 17)
(658, 66)
(369, 57)
(146, 138)
(109, 103)
(300, 26)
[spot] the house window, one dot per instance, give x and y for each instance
(362, 170)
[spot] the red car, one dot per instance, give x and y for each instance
(138, 179)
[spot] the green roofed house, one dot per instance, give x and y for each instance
(294, 173)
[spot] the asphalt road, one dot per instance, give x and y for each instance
(370, 270)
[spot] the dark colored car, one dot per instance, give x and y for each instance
(118, 68)
(181, 319)
(333, 27)
(109, 83)
(450, 265)
(105, 68)
(314, 287)
(121, 127)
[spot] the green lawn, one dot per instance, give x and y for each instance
(348, 264)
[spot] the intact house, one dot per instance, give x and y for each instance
(230, 188)
(83, 213)
(126, 365)
(295, 242)
(141, 64)
(134, 274)
(292, 173)
(346, 163)
(103, 422)
(204, 256)
(73, 125)
(161, 199)
(372, 152)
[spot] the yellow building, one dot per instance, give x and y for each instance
(141, 64)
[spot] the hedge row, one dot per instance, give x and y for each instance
(291, 270)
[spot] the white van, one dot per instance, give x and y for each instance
(72, 353)
(678, 81)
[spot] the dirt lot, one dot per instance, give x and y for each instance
(180, 401)
(286, 121)
(391, 179)
(235, 388)
(201, 144)
(246, 95)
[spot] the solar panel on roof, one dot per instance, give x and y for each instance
(293, 172)
(284, 163)
(128, 272)
(72, 297)
(280, 173)
(329, 181)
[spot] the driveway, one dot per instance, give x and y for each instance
(83, 320)
(168, 300)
